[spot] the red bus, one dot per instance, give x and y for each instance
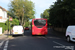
(39, 26)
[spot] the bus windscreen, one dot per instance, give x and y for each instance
(39, 22)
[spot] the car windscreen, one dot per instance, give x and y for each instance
(39, 22)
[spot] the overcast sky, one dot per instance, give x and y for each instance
(40, 5)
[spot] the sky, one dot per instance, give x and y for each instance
(40, 5)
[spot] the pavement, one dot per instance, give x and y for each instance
(3, 36)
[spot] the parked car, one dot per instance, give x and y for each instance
(18, 30)
(70, 33)
(26, 28)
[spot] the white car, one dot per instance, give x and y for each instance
(70, 33)
(17, 30)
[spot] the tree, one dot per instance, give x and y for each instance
(23, 9)
(45, 15)
(62, 13)
(27, 24)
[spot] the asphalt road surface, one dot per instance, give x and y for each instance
(29, 42)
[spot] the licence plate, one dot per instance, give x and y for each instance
(39, 34)
(16, 32)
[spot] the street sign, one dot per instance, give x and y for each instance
(10, 19)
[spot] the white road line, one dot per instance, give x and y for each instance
(63, 46)
(6, 45)
(1, 43)
(58, 43)
(44, 37)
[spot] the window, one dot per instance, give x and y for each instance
(39, 22)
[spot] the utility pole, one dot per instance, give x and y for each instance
(8, 26)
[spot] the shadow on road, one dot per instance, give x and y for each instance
(54, 33)
(17, 35)
(27, 33)
(51, 33)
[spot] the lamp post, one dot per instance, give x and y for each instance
(10, 28)
(10, 24)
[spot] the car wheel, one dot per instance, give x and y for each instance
(12, 35)
(68, 39)
(23, 34)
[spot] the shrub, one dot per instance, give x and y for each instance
(6, 24)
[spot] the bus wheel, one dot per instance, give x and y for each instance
(44, 35)
(32, 35)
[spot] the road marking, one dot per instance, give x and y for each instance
(6, 45)
(58, 43)
(63, 46)
(44, 37)
(1, 43)
(54, 37)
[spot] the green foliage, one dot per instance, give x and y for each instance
(26, 24)
(62, 13)
(3, 26)
(7, 25)
(15, 22)
(22, 9)
(45, 14)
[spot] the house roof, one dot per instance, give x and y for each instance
(3, 8)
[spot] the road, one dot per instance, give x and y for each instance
(29, 42)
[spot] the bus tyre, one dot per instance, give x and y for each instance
(68, 39)
(33, 35)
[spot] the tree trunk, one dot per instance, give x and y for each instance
(20, 21)
(23, 24)
(23, 18)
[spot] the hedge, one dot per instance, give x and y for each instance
(6, 24)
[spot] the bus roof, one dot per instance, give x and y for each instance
(39, 18)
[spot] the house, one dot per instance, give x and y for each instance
(3, 15)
